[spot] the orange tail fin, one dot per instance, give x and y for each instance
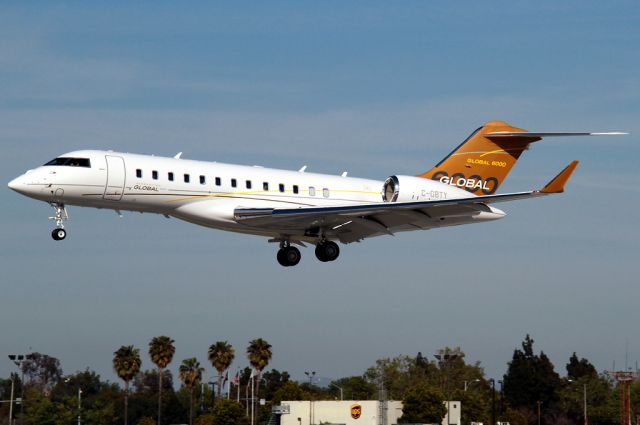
(481, 163)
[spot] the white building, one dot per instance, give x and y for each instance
(351, 412)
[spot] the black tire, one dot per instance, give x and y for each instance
(331, 251)
(292, 255)
(327, 251)
(320, 253)
(58, 234)
(282, 260)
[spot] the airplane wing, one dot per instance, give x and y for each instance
(352, 223)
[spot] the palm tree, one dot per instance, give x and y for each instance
(221, 355)
(259, 354)
(126, 363)
(190, 374)
(161, 350)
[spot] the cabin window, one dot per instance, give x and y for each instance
(154, 175)
(325, 192)
(187, 178)
(218, 181)
(71, 162)
(170, 176)
(281, 187)
(138, 173)
(265, 186)
(295, 188)
(203, 180)
(248, 182)
(234, 183)
(312, 191)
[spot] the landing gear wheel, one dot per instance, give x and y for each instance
(327, 251)
(289, 256)
(59, 234)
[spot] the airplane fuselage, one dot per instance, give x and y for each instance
(200, 192)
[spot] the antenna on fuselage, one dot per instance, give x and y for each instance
(178, 155)
(344, 174)
(302, 169)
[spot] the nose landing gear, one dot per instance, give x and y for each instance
(60, 216)
(58, 234)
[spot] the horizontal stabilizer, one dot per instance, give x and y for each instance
(498, 134)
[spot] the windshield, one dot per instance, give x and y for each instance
(71, 162)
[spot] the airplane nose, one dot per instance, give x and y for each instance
(17, 184)
(14, 184)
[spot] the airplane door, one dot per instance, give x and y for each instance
(115, 178)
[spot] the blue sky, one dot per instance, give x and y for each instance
(375, 88)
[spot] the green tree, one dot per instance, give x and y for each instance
(259, 354)
(126, 363)
(473, 404)
(40, 410)
(273, 381)
(229, 412)
(42, 371)
(204, 420)
(514, 417)
(578, 368)
(289, 391)
(146, 420)
(423, 404)
(161, 351)
(221, 355)
(353, 387)
(531, 378)
(190, 374)
(600, 392)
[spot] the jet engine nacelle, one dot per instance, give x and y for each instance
(410, 188)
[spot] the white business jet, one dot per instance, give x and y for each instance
(293, 207)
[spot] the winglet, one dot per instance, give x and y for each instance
(557, 184)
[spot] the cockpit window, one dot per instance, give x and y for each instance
(71, 162)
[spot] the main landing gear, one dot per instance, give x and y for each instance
(327, 251)
(290, 255)
(60, 216)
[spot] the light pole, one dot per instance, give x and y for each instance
(310, 375)
(444, 356)
(539, 404)
(11, 402)
(501, 409)
(468, 383)
(493, 401)
(79, 406)
(18, 359)
(213, 393)
(340, 388)
(584, 401)
(66, 381)
(584, 395)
